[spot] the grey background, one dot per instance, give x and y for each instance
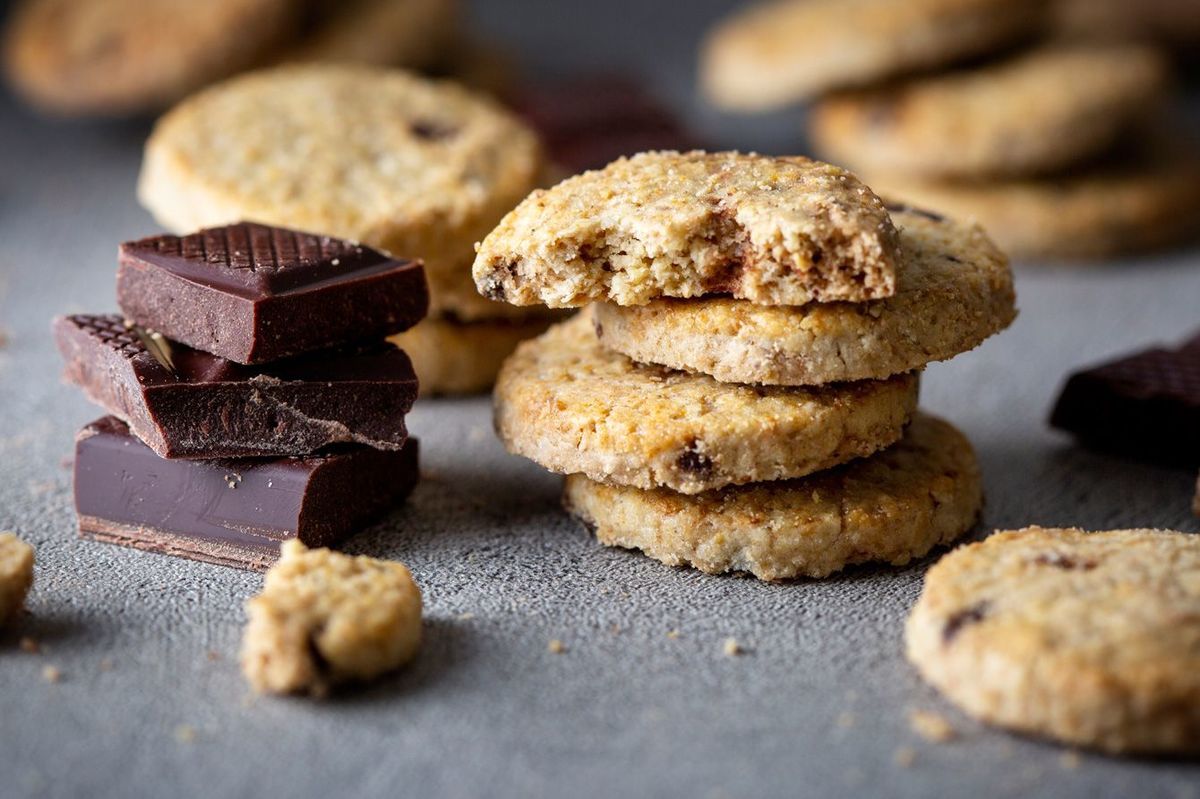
(818, 706)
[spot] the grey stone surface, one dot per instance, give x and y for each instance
(818, 705)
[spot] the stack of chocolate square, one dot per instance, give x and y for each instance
(252, 395)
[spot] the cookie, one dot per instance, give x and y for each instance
(1035, 112)
(954, 288)
(80, 57)
(454, 357)
(324, 618)
(1120, 207)
(407, 165)
(571, 405)
(452, 293)
(1172, 22)
(402, 33)
(1091, 639)
(16, 575)
(777, 231)
(773, 54)
(890, 508)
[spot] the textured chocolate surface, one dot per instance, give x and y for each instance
(253, 293)
(232, 512)
(198, 405)
(1146, 405)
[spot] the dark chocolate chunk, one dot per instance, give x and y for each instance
(198, 405)
(1145, 405)
(232, 512)
(1065, 562)
(254, 294)
(694, 461)
(963, 618)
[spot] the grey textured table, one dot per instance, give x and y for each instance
(151, 702)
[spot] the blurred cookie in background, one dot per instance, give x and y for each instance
(773, 54)
(121, 57)
(401, 33)
(1036, 111)
(1172, 22)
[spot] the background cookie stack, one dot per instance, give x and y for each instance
(272, 409)
(1054, 143)
(768, 429)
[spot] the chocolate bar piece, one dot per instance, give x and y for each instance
(232, 512)
(189, 404)
(1146, 405)
(254, 294)
(588, 122)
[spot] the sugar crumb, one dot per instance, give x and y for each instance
(51, 674)
(931, 726)
(905, 757)
(556, 647)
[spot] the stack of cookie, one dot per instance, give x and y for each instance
(404, 164)
(741, 395)
(1052, 145)
(253, 397)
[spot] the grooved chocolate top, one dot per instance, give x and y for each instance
(255, 259)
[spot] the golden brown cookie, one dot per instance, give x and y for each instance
(1092, 639)
(772, 54)
(324, 618)
(954, 288)
(16, 575)
(401, 33)
(83, 57)
(777, 231)
(1038, 111)
(571, 405)
(453, 357)
(891, 507)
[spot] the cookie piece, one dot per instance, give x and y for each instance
(452, 293)
(891, 507)
(80, 57)
(777, 53)
(16, 575)
(1038, 111)
(954, 289)
(453, 357)
(400, 33)
(1092, 639)
(401, 163)
(571, 405)
(777, 231)
(324, 618)
(1122, 207)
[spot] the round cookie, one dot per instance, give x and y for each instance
(1092, 639)
(1035, 112)
(416, 167)
(1122, 207)
(324, 618)
(571, 405)
(891, 507)
(402, 33)
(954, 288)
(16, 575)
(776, 53)
(452, 357)
(773, 230)
(80, 57)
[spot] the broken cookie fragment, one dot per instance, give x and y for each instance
(16, 575)
(325, 618)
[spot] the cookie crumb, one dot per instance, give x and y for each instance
(185, 733)
(615, 629)
(213, 655)
(905, 757)
(30, 646)
(106, 664)
(1070, 760)
(931, 727)
(732, 648)
(465, 616)
(672, 634)
(845, 720)
(51, 674)
(556, 647)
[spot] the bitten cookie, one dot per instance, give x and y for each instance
(778, 231)
(16, 575)
(455, 357)
(133, 56)
(405, 164)
(1035, 112)
(567, 403)
(1092, 639)
(954, 288)
(775, 53)
(324, 618)
(891, 507)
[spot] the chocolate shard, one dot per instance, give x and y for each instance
(202, 406)
(253, 294)
(230, 512)
(1145, 405)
